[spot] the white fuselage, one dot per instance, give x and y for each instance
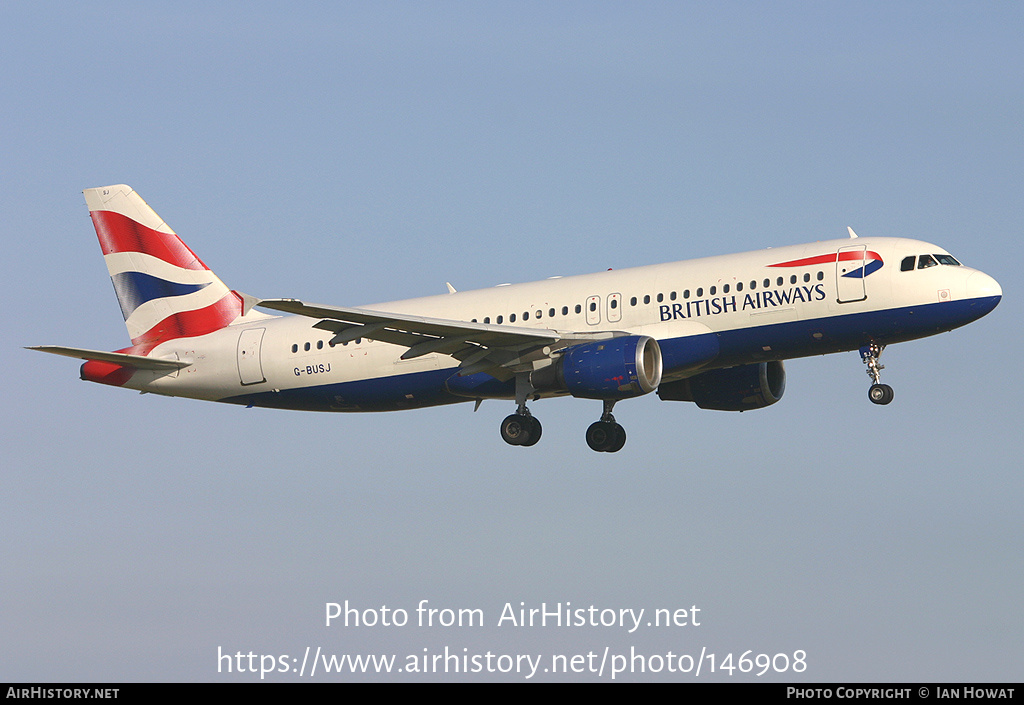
(755, 308)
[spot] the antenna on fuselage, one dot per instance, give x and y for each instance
(852, 234)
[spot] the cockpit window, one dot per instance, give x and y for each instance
(926, 261)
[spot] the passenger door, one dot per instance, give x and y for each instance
(850, 274)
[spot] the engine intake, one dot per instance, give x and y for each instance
(618, 368)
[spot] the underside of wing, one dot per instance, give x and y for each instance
(481, 347)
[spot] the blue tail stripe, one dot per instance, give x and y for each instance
(136, 288)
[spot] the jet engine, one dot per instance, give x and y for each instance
(617, 368)
(732, 389)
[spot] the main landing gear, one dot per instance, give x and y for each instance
(522, 429)
(878, 393)
(606, 436)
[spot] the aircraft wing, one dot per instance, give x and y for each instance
(481, 347)
(137, 361)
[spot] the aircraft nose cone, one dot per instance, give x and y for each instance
(982, 286)
(984, 292)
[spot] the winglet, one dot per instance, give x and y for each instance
(852, 234)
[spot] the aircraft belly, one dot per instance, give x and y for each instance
(390, 393)
(829, 334)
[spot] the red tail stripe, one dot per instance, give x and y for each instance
(188, 324)
(106, 372)
(110, 372)
(119, 233)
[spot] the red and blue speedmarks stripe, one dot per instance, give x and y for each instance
(872, 262)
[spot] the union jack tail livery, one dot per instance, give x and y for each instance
(165, 291)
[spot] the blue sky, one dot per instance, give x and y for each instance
(352, 154)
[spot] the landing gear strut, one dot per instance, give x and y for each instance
(878, 393)
(606, 436)
(521, 428)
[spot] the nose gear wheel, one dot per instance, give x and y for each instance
(878, 393)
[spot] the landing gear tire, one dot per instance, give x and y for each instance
(520, 430)
(534, 431)
(880, 393)
(515, 429)
(619, 441)
(606, 437)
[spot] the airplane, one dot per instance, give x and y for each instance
(713, 331)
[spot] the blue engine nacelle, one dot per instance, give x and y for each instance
(617, 368)
(732, 389)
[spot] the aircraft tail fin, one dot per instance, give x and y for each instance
(164, 290)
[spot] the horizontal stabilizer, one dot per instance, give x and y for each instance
(140, 362)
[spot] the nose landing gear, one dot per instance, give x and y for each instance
(878, 393)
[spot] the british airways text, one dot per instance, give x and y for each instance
(756, 300)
